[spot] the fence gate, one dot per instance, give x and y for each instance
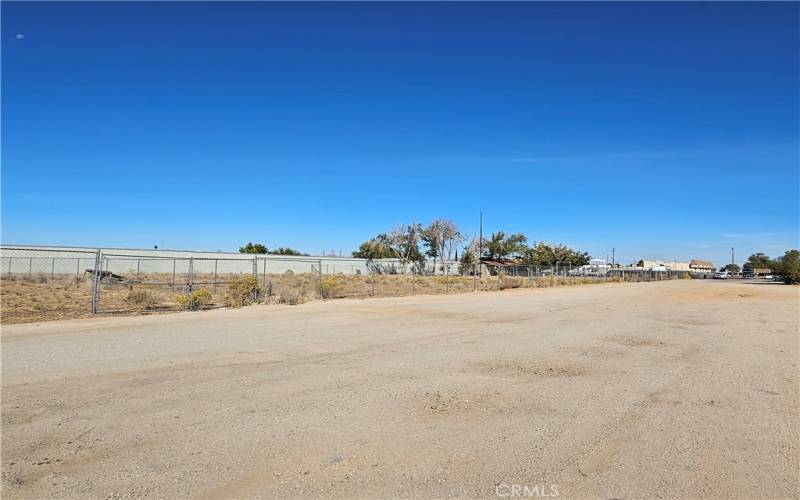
(132, 283)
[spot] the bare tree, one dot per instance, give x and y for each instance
(445, 236)
(453, 243)
(404, 242)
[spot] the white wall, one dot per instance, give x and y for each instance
(22, 259)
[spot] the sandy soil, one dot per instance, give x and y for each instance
(670, 389)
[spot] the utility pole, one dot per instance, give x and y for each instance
(613, 254)
(732, 255)
(480, 246)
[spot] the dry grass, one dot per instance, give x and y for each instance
(141, 298)
(39, 299)
(23, 301)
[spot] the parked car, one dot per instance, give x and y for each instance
(721, 275)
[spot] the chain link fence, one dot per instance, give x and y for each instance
(456, 278)
(53, 283)
(45, 284)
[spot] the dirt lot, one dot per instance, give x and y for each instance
(669, 389)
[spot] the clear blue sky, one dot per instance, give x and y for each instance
(665, 130)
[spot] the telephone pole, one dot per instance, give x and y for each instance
(480, 247)
(613, 253)
(732, 255)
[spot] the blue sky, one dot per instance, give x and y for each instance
(666, 130)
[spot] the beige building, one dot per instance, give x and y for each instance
(672, 266)
(695, 265)
(701, 266)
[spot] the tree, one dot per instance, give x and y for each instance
(543, 254)
(404, 243)
(376, 248)
(258, 248)
(732, 268)
(431, 244)
(758, 261)
(286, 251)
(468, 260)
(494, 246)
(476, 245)
(788, 267)
(576, 258)
(253, 248)
(441, 237)
(500, 246)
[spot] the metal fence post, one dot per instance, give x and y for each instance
(96, 282)
(138, 269)
(191, 271)
(321, 290)
(52, 269)
(254, 295)
(215, 274)
(173, 273)
(30, 268)
(78, 271)
(474, 279)
(9, 266)
(265, 273)
(446, 280)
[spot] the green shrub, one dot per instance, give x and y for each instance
(788, 267)
(467, 263)
(242, 291)
(141, 298)
(198, 299)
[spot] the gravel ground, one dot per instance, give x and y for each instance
(670, 389)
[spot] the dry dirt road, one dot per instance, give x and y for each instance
(670, 389)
